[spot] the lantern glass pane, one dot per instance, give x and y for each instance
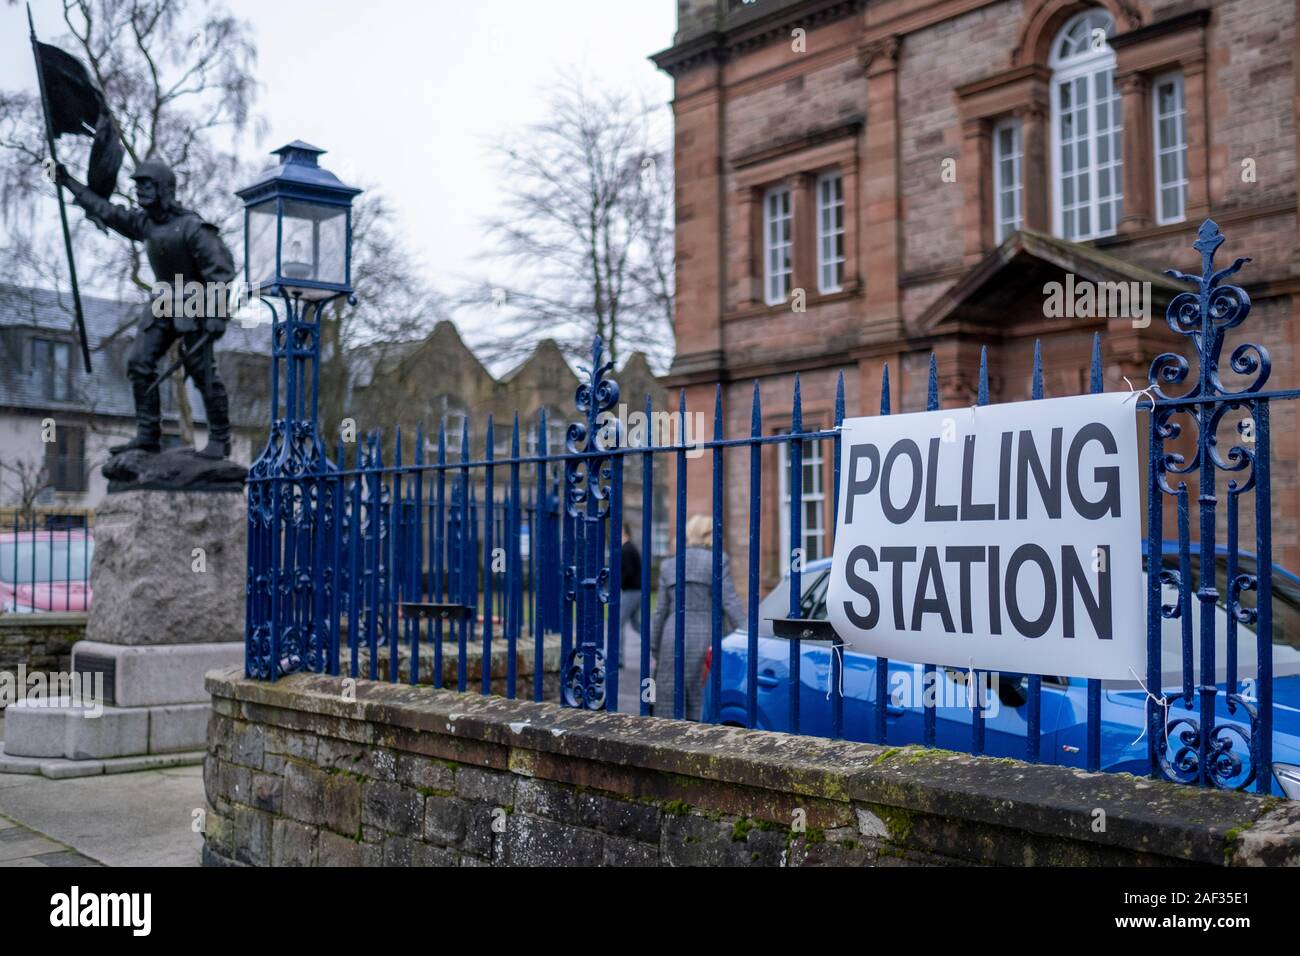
(314, 244)
(260, 268)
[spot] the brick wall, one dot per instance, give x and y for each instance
(749, 115)
(932, 63)
(298, 775)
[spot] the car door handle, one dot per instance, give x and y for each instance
(767, 679)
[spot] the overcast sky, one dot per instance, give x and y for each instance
(404, 94)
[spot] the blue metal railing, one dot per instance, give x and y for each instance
(353, 563)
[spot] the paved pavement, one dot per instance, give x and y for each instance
(128, 819)
(20, 846)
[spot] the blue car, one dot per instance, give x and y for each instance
(1064, 709)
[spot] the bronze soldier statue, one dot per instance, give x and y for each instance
(184, 249)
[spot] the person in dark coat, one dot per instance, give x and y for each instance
(629, 608)
(697, 594)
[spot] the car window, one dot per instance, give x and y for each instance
(1286, 599)
(813, 604)
(777, 601)
(45, 561)
(1285, 656)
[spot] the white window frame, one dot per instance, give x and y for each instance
(830, 226)
(659, 536)
(1087, 66)
(813, 492)
(52, 366)
(1003, 226)
(453, 423)
(778, 244)
(1178, 148)
(556, 430)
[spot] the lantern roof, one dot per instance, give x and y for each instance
(300, 176)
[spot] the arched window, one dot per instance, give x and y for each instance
(1087, 129)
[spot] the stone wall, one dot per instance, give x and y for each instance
(39, 642)
(297, 773)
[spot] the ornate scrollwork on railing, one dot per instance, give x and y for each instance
(1206, 315)
(587, 502)
(1184, 752)
(290, 509)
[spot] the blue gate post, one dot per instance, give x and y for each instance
(588, 471)
(1204, 751)
(291, 509)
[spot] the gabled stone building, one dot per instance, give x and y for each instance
(440, 379)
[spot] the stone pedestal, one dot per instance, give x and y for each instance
(169, 568)
(168, 577)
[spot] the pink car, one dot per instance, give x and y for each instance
(45, 570)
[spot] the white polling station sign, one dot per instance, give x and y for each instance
(1002, 538)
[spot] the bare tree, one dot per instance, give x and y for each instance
(586, 232)
(395, 308)
(25, 480)
(178, 77)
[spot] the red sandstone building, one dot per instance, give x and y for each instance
(912, 174)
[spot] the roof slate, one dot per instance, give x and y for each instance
(27, 313)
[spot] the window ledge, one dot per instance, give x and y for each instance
(814, 299)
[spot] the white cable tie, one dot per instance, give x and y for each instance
(1139, 391)
(836, 649)
(1161, 700)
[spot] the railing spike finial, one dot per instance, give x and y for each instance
(983, 397)
(796, 413)
(1208, 240)
(1205, 316)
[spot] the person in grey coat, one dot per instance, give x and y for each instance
(697, 594)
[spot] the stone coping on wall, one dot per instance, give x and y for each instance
(44, 619)
(898, 804)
